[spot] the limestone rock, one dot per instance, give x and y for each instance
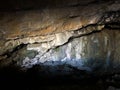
(24, 25)
(83, 34)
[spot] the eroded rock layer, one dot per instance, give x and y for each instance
(85, 36)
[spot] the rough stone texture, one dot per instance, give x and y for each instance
(36, 23)
(84, 34)
(94, 52)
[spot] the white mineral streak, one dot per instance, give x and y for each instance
(106, 41)
(108, 58)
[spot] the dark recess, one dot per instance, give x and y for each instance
(16, 5)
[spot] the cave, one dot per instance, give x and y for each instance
(60, 44)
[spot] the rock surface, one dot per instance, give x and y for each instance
(83, 34)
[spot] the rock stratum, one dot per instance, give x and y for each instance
(63, 35)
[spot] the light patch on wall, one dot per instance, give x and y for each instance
(68, 54)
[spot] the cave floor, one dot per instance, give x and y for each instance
(13, 78)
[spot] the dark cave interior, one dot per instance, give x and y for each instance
(40, 77)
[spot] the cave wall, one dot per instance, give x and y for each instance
(83, 34)
(93, 52)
